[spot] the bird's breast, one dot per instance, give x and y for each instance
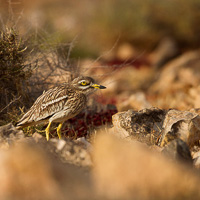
(76, 103)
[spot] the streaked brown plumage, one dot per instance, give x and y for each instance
(59, 104)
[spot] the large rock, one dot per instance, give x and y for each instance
(28, 170)
(165, 51)
(157, 126)
(179, 74)
(145, 124)
(124, 170)
(181, 124)
(177, 85)
(178, 150)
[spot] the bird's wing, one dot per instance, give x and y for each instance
(49, 103)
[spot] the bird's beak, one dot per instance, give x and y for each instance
(98, 86)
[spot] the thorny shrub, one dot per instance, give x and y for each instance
(14, 71)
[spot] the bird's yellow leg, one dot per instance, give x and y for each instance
(59, 130)
(47, 131)
(39, 131)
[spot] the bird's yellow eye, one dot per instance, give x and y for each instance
(84, 83)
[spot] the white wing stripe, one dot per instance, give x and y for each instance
(54, 101)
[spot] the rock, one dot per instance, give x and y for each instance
(178, 151)
(194, 94)
(29, 171)
(9, 131)
(118, 129)
(38, 137)
(178, 74)
(177, 85)
(26, 178)
(197, 162)
(74, 152)
(145, 124)
(123, 170)
(196, 154)
(85, 142)
(165, 51)
(180, 124)
(60, 144)
(136, 101)
(8, 135)
(125, 51)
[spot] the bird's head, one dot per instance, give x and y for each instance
(86, 84)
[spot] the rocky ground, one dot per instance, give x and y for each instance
(145, 147)
(149, 154)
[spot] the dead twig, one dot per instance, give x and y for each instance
(14, 100)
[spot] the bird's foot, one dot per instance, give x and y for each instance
(59, 130)
(39, 131)
(47, 130)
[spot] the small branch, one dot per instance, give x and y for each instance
(14, 100)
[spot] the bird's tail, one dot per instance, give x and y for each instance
(24, 121)
(20, 126)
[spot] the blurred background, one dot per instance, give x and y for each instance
(127, 45)
(97, 25)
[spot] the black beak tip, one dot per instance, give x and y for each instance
(102, 87)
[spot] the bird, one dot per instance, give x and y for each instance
(59, 104)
